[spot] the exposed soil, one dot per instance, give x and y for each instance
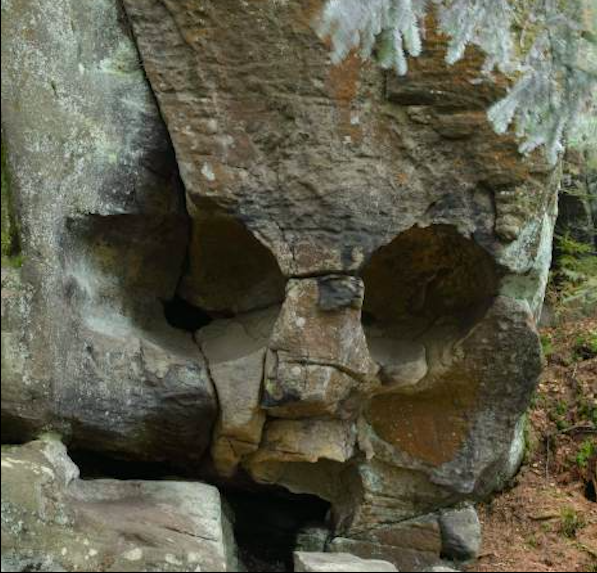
(547, 521)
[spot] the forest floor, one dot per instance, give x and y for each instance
(547, 519)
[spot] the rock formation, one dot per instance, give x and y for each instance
(322, 562)
(315, 277)
(54, 521)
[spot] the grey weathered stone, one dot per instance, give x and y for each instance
(576, 211)
(312, 539)
(461, 533)
(339, 562)
(103, 236)
(411, 545)
(53, 521)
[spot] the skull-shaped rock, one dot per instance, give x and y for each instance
(414, 242)
(368, 258)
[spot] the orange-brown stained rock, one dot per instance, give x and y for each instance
(343, 84)
(430, 426)
(308, 12)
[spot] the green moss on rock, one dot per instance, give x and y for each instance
(11, 255)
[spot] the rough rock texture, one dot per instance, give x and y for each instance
(461, 534)
(103, 235)
(53, 521)
(235, 350)
(412, 545)
(578, 200)
(312, 539)
(340, 562)
(415, 243)
(355, 266)
(320, 354)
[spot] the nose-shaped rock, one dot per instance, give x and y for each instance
(319, 357)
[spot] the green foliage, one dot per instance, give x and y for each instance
(585, 346)
(547, 345)
(548, 46)
(576, 274)
(587, 409)
(558, 415)
(586, 451)
(571, 523)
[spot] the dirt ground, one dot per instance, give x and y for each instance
(547, 520)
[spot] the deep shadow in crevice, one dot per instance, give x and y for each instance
(93, 465)
(267, 525)
(229, 271)
(183, 315)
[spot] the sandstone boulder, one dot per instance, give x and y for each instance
(415, 244)
(102, 237)
(320, 350)
(338, 296)
(54, 521)
(411, 545)
(340, 562)
(235, 350)
(461, 534)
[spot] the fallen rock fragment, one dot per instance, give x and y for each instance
(54, 521)
(337, 563)
(461, 533)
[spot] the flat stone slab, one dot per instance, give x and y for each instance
(337, 563)
(54, 521)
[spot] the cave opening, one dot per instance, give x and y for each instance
(424, 293)
(270, 525)
(229, 271)
(228, 274)
(428, 275)
(269, 522)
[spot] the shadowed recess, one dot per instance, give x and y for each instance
(229, 270)
(267, 526)
(423, 293)
(427, 275)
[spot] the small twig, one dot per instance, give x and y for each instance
(544, 517)
(486, 555)
(580, 429)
